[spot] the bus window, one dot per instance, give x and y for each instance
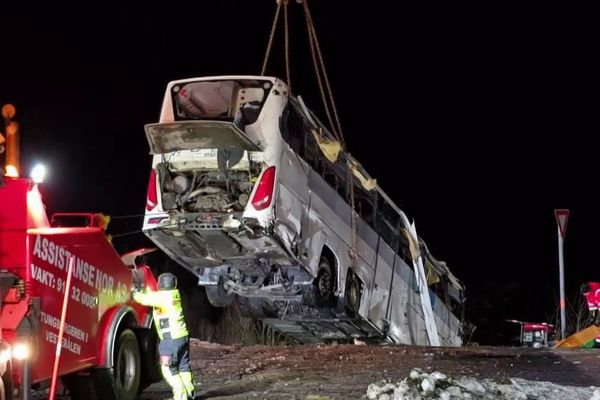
(388, 223)
(389, 226)
(331, 178)
(364, 203)
(203, 99)
(239, 100)
(292, 130)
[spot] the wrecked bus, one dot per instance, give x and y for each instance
(251, 193)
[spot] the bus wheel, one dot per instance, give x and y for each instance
(323, 286)
(126, 367)
(217, 296)
(353, 294)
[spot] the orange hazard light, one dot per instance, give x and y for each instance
(11, 171)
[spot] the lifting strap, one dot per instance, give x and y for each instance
(324, 89)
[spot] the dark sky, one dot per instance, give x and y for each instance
(477, 120)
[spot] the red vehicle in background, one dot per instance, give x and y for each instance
(108, 346)
(535, 334)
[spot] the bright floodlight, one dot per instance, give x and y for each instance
(21, 351)
(38, 173)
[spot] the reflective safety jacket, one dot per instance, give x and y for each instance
(167, 312)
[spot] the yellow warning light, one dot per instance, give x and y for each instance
(102, 220)
(11, 171)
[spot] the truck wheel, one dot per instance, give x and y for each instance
(93, 384)
(217, 296)
(126, 368)
(149, 359)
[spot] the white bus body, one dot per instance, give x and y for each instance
(251, 193)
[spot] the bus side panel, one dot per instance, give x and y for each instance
(416, 319)
(380, 296)
(99, 281)
(402, 315)
(327, 206)
(328, 209)
(447, 324)
(293, 198)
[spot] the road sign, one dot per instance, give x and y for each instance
(562, 216)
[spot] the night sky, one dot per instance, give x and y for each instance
(492, 112)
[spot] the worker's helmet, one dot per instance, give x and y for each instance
(167, 281)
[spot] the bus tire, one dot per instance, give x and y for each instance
(321, 292)
(218, 297)
(127, 365)
(352, 294)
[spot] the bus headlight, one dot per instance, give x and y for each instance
(21, 351)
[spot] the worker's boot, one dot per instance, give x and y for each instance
(178, 396)
(179, 392)
(186, 379)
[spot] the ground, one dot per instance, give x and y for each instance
(345, 371)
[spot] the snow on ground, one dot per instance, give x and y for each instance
(420, 385)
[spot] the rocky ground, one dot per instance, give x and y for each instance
(346, 371)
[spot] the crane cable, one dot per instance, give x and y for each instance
(324, 89)
(319, 65)
(287, 42)
(271, 36)
(287, 45)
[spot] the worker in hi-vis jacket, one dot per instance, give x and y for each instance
(591, 291)
(172, 331)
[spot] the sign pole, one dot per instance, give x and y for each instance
(562, 216)
(61, 329)
(561, 272)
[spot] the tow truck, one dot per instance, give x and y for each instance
(109, 350)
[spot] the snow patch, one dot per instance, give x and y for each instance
(420, 385)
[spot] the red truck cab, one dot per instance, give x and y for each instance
(108, 346)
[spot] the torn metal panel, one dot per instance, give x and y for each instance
(380, 297)
(188, 135)
(422, 287)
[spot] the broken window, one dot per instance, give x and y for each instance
(293, 130)
(389, 225)
(364, 203)
(239, 100)
(296, 132)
